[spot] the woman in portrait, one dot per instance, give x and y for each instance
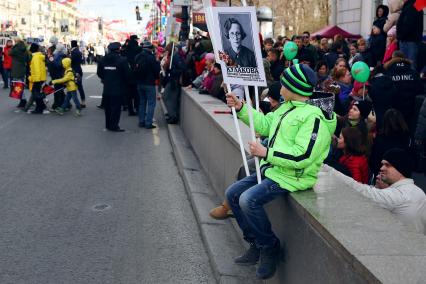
(239, 55)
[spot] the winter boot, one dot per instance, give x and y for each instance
(221, 212)
(59, 111)
(269, 258)
(250, 257)
(22, 103)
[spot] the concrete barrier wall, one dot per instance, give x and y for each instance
(333, 235)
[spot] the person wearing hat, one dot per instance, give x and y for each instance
(395, 190)
(377, 44)
(130, 52)
(391, 45)
(299, 134)
(55, 54)
(37, 78)
(76, 60)
(114, 72)
(356, 117)
(147, 71)
(223, 211)
(20, 59)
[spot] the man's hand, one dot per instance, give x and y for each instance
(233, 101)
(257, 149)
(380, 183)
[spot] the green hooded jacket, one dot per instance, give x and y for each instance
(299, 139)
(20, 59)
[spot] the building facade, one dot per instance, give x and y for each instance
(356, 16)
(40, 19)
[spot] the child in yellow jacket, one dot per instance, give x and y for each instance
(69, 81)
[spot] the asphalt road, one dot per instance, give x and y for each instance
(82, 205)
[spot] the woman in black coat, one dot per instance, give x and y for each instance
(395, 134)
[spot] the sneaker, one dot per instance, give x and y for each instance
(78, 112)
(36, 112)
(141, 125)
(46, 111)
(59, 111)
(221, 212)
(250, 257)
(150, 126)
(269, 258)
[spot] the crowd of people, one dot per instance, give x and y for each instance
(29, 64)
(370, 133)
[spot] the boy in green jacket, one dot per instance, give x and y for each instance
(299, 134)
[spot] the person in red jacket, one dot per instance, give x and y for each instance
(7, 63)
(354, 159)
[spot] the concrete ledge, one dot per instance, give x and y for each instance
(332, 236)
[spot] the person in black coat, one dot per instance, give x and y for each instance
(76, 61)
(409, 31)
(382, 92)
(394, 134)
(172, 89)
(377, 45)
(382, 13)
(114, 73)
(277, 66)
(407, 83)
(335, 53)
(130, 52)
(147, 71)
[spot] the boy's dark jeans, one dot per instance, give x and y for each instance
(246, 199)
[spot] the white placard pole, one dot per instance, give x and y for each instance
(171, 57)
(240, 139)
(253, 133)
(256, 97)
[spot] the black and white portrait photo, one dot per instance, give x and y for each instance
(237, 45)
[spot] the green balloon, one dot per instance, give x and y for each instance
(360, 71)
(290, 50)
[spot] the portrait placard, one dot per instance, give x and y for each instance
(237, 45)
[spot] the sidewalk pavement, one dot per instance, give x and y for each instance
(220, 238)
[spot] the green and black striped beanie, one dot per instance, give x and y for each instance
(299, 79)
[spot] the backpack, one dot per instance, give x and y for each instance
(77, 76)
(140, 65)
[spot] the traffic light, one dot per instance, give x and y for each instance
(138, 14)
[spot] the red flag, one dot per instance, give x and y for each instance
(47, 90)
(17, 90)
(420, 5)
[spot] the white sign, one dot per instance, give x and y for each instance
(237, 45)
(64, 26)
(172, 29)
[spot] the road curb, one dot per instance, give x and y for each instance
(221, 241)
